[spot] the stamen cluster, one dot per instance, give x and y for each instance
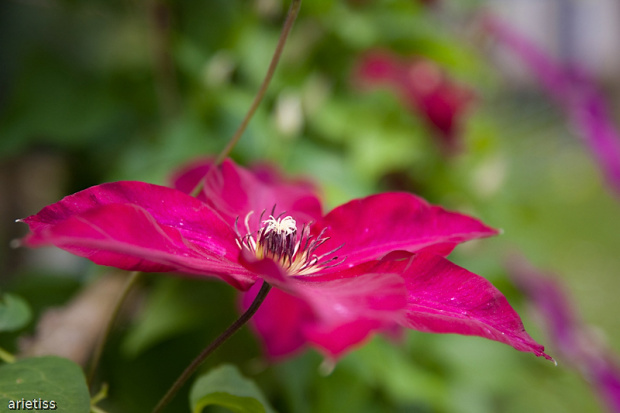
(279, 240)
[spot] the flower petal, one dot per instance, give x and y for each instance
(445, 298)
(234, 192)
(139, 226)
(279, 321)
(371, 227)
(365, 291)
(187, 178)
(605, 375)
(285, 324)
(591, 116)
(346, 306)
(336, 340)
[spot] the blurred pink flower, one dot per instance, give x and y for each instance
(572, 338)
(422, 86)
(368, 265)
(575, 91)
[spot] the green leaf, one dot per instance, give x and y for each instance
(226, 387)
(47, 378)
(14, 312)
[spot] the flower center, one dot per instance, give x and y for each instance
(279, 240)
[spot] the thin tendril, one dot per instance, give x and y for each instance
(288, 24)
(234, 327)
(133, 279)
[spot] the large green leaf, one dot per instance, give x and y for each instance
(226, 387)
(47, 378)
(14, 312)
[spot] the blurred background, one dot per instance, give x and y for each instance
(370, 96)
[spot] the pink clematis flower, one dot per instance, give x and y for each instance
(423, 87)
(368, 265)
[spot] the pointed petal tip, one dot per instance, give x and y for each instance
(548, 357)
(539, 351)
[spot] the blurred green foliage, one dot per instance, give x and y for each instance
(131, 90)
(14, 312)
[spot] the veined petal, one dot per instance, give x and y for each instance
(285, 324)
(139, 226)
(335, 340)
(234, 192)
(365, 291)
(128, 237)
(445, 298)
(166, 205)
(371, 227)
(360, 295)
(346, 306)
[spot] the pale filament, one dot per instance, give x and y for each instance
(286, 225)
(279, 240)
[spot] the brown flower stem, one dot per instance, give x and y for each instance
(133, 279)
(234, 327)
(288, 24)
(286, 29)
